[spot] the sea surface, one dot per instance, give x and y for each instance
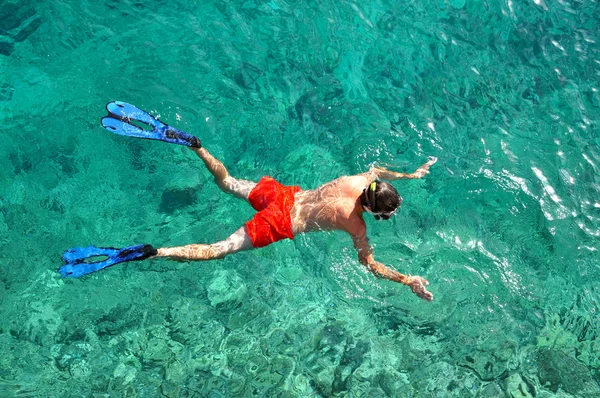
(506, 227)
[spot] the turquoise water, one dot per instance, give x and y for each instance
(506, 227)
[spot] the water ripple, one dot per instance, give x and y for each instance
(505, 227)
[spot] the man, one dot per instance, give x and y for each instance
(283, 211)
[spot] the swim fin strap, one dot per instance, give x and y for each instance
(76, 266)
(119, 121)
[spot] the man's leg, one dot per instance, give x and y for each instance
(239, 188)
(237, 242)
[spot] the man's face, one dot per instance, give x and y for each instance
(381, 215)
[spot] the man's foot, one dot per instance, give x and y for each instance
(417, 284)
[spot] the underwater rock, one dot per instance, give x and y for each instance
(458, 3)
(397, 318)
(573, 331)
(12, 15)
(17, 22)
(489, 362)
(120, 319)
(301, 386)
(288, 273)
(186, 319)
(253, 317)
(169, 389)
(73, 359)
(126, 377)
(124, 374)
(157, 351)
(492, 390)
(177, 198)
(175, 372)
(332, 339)
(517, 387)
(80, 369)
(443, 378)
(6, 90)
(227, 287)
(284, 366)
(285, 342)
(352, 358)
(37, 322)
(237, 386)
(335, 359)
(322, 166)
(133, 342)
(6, 47)
(205, 345)
(558, 370)
(248, 75)
(265, 381)
(213, 363)
(390, 381)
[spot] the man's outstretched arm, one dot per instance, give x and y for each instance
(365, 256)
(385, 174)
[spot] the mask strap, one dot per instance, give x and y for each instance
(372, 188)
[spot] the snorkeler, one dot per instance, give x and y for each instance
(282, 211)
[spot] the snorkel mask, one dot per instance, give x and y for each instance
(371, 206)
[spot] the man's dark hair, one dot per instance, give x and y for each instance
(387, 198)
(381, 197)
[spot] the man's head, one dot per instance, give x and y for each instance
(381, 199)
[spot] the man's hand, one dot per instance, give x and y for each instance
(417, 284)
(424, 170)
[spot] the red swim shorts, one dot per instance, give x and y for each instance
(273, 202)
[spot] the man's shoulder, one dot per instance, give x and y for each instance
(363, 177)
(355, 225)
(350, 183)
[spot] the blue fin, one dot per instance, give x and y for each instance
(120, 115)
(122, 128)
(78, 254)
(75, 258)
(123, 110)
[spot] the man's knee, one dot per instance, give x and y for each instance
(236, 187)
(227, 184)
(238, 241)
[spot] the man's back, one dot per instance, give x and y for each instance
(332, 206)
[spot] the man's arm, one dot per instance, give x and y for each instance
(365, 256)
(385, 174)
